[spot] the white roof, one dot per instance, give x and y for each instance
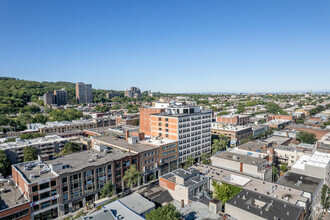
(137, 203)
(318, 159)
(119, 210)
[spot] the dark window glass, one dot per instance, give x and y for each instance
(35, 188)
(44, 195)
(35, 198)
(44, 186)
(53, 183)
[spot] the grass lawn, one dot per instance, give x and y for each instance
(233, 188)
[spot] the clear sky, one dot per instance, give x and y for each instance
(169, 45)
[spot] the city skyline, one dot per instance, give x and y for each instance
(172, 47)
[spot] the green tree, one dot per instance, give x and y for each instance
(240, 108)
(189, 162)
(245, 140)
(219, 144)
(102, 109)
(167, 212)
(307, 138)
(274, 171)
(274, 108)
(30, 153)
(222, 192)
(40, 118)
(205, 158)
(283, 167)
(324, 197)
(299, 120)
(70, 147)
(132, 177)
(115, 107)
(107, 190)
(4, 163)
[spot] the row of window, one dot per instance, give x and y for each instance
(168, 152)
(168, 146)
(43, 186)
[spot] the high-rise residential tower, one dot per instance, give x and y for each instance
(84, 93)
(61, 97)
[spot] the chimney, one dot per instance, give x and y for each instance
(141, 136)
(182, 203)
(127, 134)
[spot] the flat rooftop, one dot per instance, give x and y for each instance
(11, 196)
(278, 140)
(33, 171)
(301, 182)
(121, 143)
(273, 190)
(222, 127)
(287, 148)
(277, 122)
(265, 206)
(318, 159)
(240, 158)
(253, 146)
(20, 143)
(137, 203)
(182, 114)
(80, 160)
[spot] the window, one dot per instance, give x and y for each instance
(54, 192)
(35, 198)
(44, 195)
(54, 201)
(35, 188)
(64, 180)
(44, 186)
(166, 119)
(53, 183)
(159, 119)
(45, 204)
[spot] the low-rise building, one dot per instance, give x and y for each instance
(40, 186)
(46, 147)
(13, 204)
(249, 205)
(233, 119)
(294, 196)
(185, 185)
(287, 154)
(278, 123)
(311, 187)
(316, 165)
(259, 130)
(277, 140)
(261, 147)
(235, 133)
(157, 156)
(252, 166)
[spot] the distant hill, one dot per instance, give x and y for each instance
(15, 93)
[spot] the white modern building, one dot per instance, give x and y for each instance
(316, 165)
(246, 164)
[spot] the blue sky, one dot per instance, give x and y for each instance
(169, 45)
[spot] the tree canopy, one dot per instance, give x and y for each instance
(220, 143)
(107, 190)
(189, 162)
(132, 177)
(30, 153)
(4, 163)
(275, 109)
(70, 147)
(167, 212)
(222, 192)
(307, 138)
